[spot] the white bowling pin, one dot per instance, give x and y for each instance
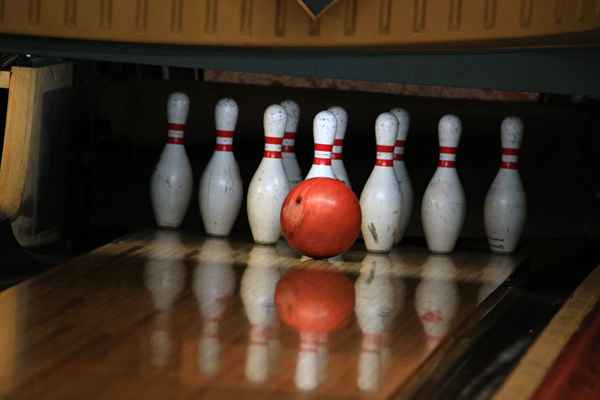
(171, 183)
(505, 208)
(324, 126)
(269, 185)
(258, 297)
(220, 190)
(288, 153)
(400, 170)
(214, 286)
(381, 199)
(337, 161)
(444, 205)
(437, 298)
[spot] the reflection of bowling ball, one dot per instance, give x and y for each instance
(320, 217)
(314, 301)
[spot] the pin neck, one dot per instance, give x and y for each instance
(447, 157)
(385, 156)
(399, 150)
(322, 154)
(289, 139)
(175, 133)
(338, 147)
(272, 147)
(510, 158)
(224, 140)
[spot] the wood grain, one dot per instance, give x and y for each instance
(534, 366)
(164, 314)
(4, 79)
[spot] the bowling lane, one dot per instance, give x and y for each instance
(163, 314)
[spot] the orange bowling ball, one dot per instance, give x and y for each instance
(314, 301)
(320, 217)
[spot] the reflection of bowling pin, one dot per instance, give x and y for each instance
(258, 291)
(496, 271)
(381, 199)
(171, 183)
(377, 304)
(290, 163)
(269, 185)
(324, 125)
(220, 189)
(337, 161)
(400, 169)
(443, 208)
(214, 284)
(436, 298)
(307, 366)
(164, 276)
(505, 206)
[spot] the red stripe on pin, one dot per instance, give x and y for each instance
(321, 161)
(287, 149)
(384, 149)
(323, 147)
(224, 147)
(384, 163)
(174, 140)
(509, 165)
(272, 154)
(447, 150)
(289, 135)
(400, 143)
(273, 140)
(338, 142)
(510, 152)
(225, 134)
(336, 156)
(446, 163)
(399, 157)
(175, 127)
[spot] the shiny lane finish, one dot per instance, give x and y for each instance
(160, 315)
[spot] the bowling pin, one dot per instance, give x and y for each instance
(505, 208)
(401, 172)
(337, 161)
(258, 297)
(288, 153)
(324, 127)
(171, 183)
(437, 298)
(443, 208)
(220, 190)
(269, 185)
(214, 286)
(307, 372)
(381, 200)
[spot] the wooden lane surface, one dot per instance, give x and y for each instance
(534, 367)
(160, 315)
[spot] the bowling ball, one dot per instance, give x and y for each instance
(314, 301)
(320, 217)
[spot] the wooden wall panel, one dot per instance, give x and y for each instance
(397, 23)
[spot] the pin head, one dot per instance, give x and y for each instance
(178, 106)
(293, 115)
(226, 114)
(403, 122)
(449, 129)
(324, 126)
(386, 127)
(274, 121)
(511, 132)
(341, 117)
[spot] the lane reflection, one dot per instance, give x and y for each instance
(495, 272)
(214, 287)
(437, 298)
(315, 301)
(258, 297)
(164, 277)
(379, 299)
